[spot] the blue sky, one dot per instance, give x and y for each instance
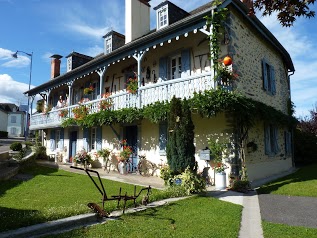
(47, 27)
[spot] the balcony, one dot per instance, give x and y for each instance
(162, 91)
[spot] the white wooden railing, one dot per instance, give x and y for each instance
(161, 91)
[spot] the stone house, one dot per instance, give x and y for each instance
(171, 60)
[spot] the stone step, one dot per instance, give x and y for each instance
(8, 172)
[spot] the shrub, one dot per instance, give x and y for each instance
(166, 174)
(241, 186)
(3, 134)
(16, 146)
(191, 181)
(28, 144)
(40, 153)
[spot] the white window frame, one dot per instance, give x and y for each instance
(162, 17)
(108, 45)
(93, 138)
(13, 130)
(178, 66)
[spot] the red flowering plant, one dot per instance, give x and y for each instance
(132, 85)
(81, 111)
(82, 157)
(106, 102)
(126, 151)
(63, 113)
(89, 90)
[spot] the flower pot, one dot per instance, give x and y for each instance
(121, 167)
(220, 180)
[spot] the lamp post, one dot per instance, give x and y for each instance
(15, 55)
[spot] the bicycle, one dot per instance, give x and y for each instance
(111, 162)
(145, 167)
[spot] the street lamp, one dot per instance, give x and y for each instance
(15, 55)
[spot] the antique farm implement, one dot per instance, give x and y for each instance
(120, 197)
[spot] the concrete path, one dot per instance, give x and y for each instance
(251, 223)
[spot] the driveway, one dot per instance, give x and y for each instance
(290, 210)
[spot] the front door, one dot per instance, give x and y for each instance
(72, 145)
(131, 135)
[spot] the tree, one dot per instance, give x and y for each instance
(287, 10)
(180, 142)
(305, 139)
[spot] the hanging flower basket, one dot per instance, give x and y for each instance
(105, 103)
(132, 85)
(63, 113)
(88, 90)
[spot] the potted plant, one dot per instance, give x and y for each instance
(124, 155)
(218, 150)
(251, 146)
(82, 157)
(63, 113)
(132, 85)
(80, 112)
(225, 74)
(105, 103)
(88, 90)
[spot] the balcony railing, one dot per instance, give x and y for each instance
(162, 91)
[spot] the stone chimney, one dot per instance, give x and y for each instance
(137, 19)
(55, 66)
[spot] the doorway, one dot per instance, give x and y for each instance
(72, 145)
(131, 135)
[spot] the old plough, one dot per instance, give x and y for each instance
(101, 211)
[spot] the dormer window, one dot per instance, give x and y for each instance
(162, 17)
(108, 44)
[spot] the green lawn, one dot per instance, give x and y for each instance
(272, 230)
(52, 194)
(301, 183)
(192, 217)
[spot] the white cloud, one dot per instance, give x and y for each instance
(12, 91)
(93, 51)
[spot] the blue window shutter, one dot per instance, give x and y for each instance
(267, 144)
(185, 55)
(288, 143)
(163, 69)
(162, 138)
(62, 139)
(86, 139)
(99, 137)
(98, 88)
(52, 140)
(264, 75)
(275, 140)
(272, 77)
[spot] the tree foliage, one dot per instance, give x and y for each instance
(180, 143)
(287, 10)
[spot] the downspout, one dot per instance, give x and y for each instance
(292, 131)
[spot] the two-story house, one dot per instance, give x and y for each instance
(171, 60)
(12, 120)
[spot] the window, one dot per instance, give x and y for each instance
(271, 140)
(108, 45)
(268, 76)
(176, 67)
(162, 17)
(93, 138)
(13, 119)
(288, 143)
(58, 139)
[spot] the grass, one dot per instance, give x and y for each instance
(272, 230)
(301, 183)
(53, 194)
(193, 217)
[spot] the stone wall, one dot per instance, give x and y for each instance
(247, 48)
